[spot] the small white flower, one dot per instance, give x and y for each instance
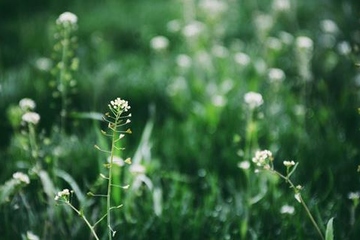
(354, 195)
(303, 42)
(183, 61)
(329, 26)
(174, 26)
(31, 236)
(65, 193)
(287, 209)
(220, 51)
(31, 117)
(344, 48)
(22, 177)
(281, 5)
(43, 64)
(242, 58)
(117, 161)
(67, 17)
(213, 7)
(27, 104)
(137, 169)
(159, 43)
(119, 105)
(276, 75)
(289, 163)
(253, 99)
(244, 165)
(262, 158)
(193, 29)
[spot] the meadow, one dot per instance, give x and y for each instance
(179, 119)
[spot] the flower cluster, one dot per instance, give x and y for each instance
(119, 105)
(263, 159)
(159, 43)
(66, 18)
(21, 177)
(27, 104)
(253, 99)
(63, 195)
(289, 163)
(31, 117)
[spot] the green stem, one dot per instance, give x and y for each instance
(62, 87)
(85, 220)
(302, 202)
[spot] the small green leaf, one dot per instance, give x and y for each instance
(330, 230)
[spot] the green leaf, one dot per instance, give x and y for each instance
(329, 230)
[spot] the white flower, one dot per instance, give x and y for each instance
(119, 105)
(27, 104)
(22, 177)
(262, 158)
(276, 75)
(193, 29)
(287, 209)
(183, 61)
(244, 165)
(281, 5)
(344, 48)
(43, 64)
(242, 58)
(213, 8)
(137, 169)
(65, 193)
(354, 195)
(31, 117)
(159, 43)
(289, 163)
(67, 17)
(220, 51)
(253, 99)
(174, 26)
(117, 161)
(329, 26)
(31, 236)
(303, 42)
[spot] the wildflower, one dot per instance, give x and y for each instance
(213, 7)
(253, 99)
(31, 236)
(303, 42)
(21, 177)
(263, 158)
(193, 29)
(159, 43)
(242, 58)
(281, 5)
(329, 26)
(354, 195)
(31, 117)
(27, 104)
(65, 193)
(344, 48)
(119, 105)
(117, 161)
(287, 209)
(174, 26)
(244, 165)
(67, 17)
(183, 61)
(137, 169)
(43, 64)
(276, 75)
(289, 163)
(220, 51)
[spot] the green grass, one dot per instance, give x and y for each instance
(191, 126)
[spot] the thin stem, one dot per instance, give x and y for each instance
(85, 220)
(65, 44)
(302, 202)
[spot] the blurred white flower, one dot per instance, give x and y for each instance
(287, 209)
(303, 42)
(213, 7)
(43, 64)
(119, 105)
(274, 43)
(137, 169)
(329, 26)
(65, 193)
(193, 29)
(219, 100)
(27, 104)
(244, 165)
(117, 161)
(242, 58)
(31, 117)
(281, 5)
(220, 51)
(354, 195)
(21, 177)
(67, 17)
(159, 43)
(276, 75)
(289, 163)
(253, 99)
(344, 48)
(174, 26)
(31, 236)
(286, 38)
(183, 61)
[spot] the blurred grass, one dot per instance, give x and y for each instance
(193, 152)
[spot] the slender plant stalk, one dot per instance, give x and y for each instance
(62, 84)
